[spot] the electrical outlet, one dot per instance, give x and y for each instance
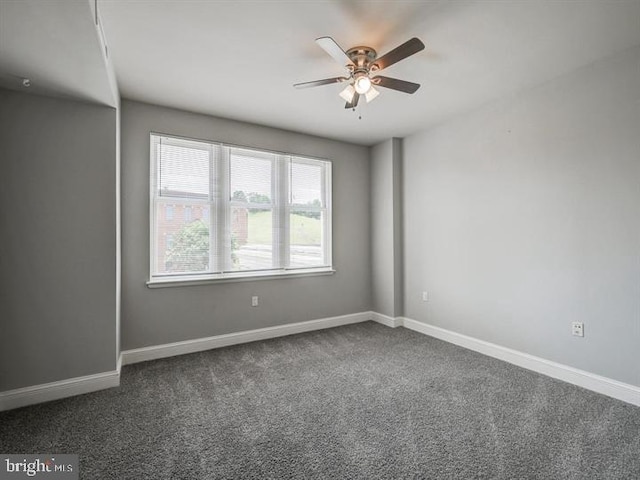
(577, 329)
(254, 301)
(425, 296)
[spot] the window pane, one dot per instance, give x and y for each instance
(306, 184)
(182, 244)
(251, 238)
(183, 171)
(305, 228)
(250, 177)
(219, 208)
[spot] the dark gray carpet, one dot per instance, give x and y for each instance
(361, 401)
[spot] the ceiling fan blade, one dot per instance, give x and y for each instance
(354, 101)
(395, 84)
(317, 83)
(405, 50)
(330, 46)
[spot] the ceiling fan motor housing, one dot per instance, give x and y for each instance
(362, 58)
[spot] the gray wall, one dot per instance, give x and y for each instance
(157, 316)
(524, 216)
(58, 242)
(386, 228)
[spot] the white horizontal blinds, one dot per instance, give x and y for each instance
(308, 213)
(218, 210)
(183, 169)
(182, 206)
(253, 210)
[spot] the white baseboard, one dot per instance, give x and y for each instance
(606, 386)
(200, 344)
(21, 397)
(76, 386)
(386, 320)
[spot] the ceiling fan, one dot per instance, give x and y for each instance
(362, 62)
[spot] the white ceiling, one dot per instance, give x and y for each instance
(239, 59)
(53, 43)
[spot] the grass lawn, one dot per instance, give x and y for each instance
(304, 230)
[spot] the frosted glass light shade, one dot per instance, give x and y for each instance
(348, 93)
(371, 94)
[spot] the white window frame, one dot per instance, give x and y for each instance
(219, 206)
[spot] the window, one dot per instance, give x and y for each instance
(246, 213)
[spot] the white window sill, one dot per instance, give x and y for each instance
(236, 277)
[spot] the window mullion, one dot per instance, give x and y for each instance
(212, 224)
(281, 220)
(276, 258)
(326, 215)
(223, 232)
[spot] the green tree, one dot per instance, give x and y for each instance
(239, 196)
(314, 203)
(190, 249)
(258, 198)
(254, 197)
